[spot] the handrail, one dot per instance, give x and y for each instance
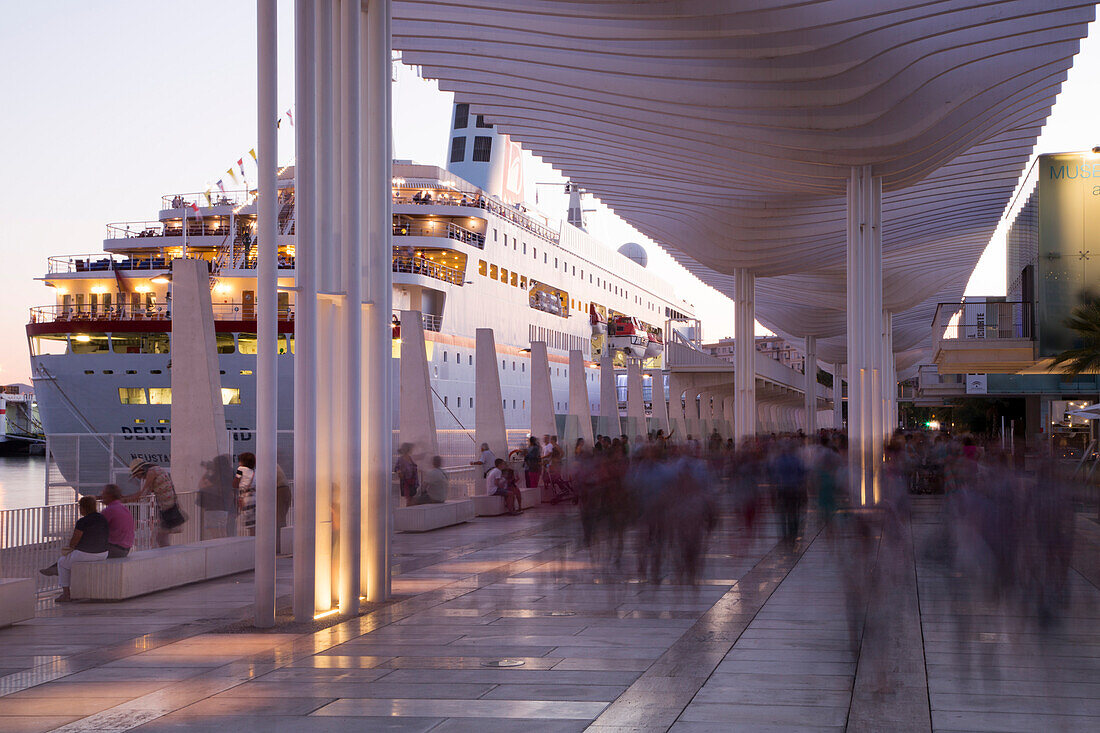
(406, 227)
(478, 201)
(418, 265)
(196, 227)
(217, 198)
(102, 317)
(996, 320)
(107, 263)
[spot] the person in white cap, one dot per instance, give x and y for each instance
(157, 481)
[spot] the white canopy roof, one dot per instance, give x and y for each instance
(726, 131)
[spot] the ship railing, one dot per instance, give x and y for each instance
(108, 263)
(431, 322)
(102, 316)
(512, 214)
(418, 265)
(196, 227)
(406, 227)
(206, 199)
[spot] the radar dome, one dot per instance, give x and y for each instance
(636, 252)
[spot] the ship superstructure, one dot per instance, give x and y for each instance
(462, 256)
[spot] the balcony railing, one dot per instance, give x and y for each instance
(141, 229)
(423, 266)
(992, 321)
(102, 316)
(405, 227)
(431, 322)
(217, 198)
(514, 215)
(101, 263)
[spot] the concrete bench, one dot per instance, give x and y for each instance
(149, 571)
(493, 505)
(425, 517)
(17, 597)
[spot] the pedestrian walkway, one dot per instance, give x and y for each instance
(775, 637)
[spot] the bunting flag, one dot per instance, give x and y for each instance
(240, 164)
(221, 185)
(290, 117)
(195, 208)
(252, 152)
(232, 175)
(209, 198)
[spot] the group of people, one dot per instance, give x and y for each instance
(110, 532)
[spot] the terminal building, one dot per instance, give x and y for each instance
(1004, 347)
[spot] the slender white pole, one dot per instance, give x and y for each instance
(350, 153)
(267, 316)
(378, 355)
(305, 321)
(811, 385)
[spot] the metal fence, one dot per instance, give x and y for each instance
(976, 320)
(33, 538)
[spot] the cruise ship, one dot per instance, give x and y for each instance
(468, 253)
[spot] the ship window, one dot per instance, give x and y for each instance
(513, 366)
(140, 343)
(108, 371)
(460, 402)
(471, 402)
(555, 263)
(504, 276)
(157, 371)
(163, 421)
(545, 259)
(523, 367)
(494, 234)
(444, 400)
(131, 371)
(525, 248)
(246, 343)
(535, 252)
(482, 267)
(88, 343)
(231, 396)
(444, 357)
(482, 123)
(139, 421)
(225, 343)
(132, 395)
(458, 149)
(515, 279)
(160, 395)
(462, 116)
(513, 404)
(492, 272)
(471, 359)
(523, 282)
(246, 372)
(483, 149)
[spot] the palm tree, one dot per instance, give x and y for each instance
(1085, 322)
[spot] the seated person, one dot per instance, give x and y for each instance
(433, 485)
(88, 544)
(120, 522)
(496, 484)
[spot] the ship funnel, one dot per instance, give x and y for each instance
(483, 156)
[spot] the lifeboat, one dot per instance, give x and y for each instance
(625, 335)
(655, 347)
(599, 323)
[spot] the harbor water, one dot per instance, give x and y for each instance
(21, 481)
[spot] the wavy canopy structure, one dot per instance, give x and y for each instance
(725, 131)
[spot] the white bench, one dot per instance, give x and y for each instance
(149, 571)
(17, 597)
(425, 517)
(493, 505)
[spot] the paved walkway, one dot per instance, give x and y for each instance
(774, 638)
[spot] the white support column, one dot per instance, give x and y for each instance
(377, 161)
(349, 587)
(488, 405)
(267, 392)
(635, 405)
(811, 385)
(838, 396)
(328, 411)
(305, 318)
(864, 311)
(578, 423)
(744, 376)
(659, 419)
(609, 398)
(542, 394)
(889, 377)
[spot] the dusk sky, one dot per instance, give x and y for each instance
(108, 106)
